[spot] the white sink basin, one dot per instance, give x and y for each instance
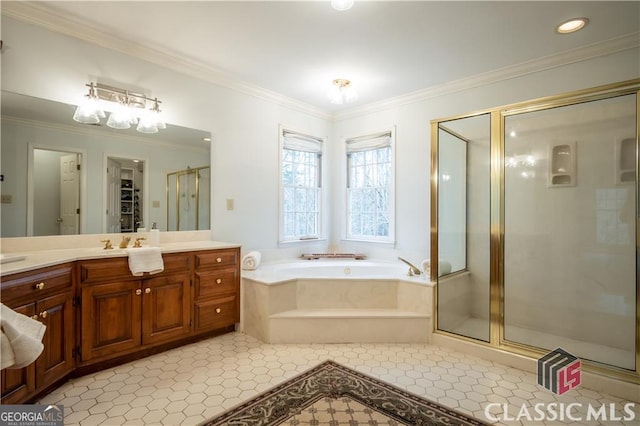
(7, 258)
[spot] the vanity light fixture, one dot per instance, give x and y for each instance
(572, 25)
(342, 92)
(127, 109)
(89, 110)
(342, 4)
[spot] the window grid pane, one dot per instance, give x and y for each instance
(368, 193)
(301, 194)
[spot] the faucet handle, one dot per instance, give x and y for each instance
(107, 244)
(125, 242)
(137, 243)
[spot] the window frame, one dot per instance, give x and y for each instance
(282, 238)
(346, 234)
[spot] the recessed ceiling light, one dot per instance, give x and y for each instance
(572, 25)
(342, 4)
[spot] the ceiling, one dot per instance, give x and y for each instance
(387, 48)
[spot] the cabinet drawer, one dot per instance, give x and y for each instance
(217, 258)
(118, 268)
(37, 283)
(176, 262)
(217, 313)
(215, 282)
(104, 270)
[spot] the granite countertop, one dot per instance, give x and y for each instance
(30, 260)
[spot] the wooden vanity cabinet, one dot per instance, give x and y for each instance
(122, 313)
(45, 295)
(97, 312)
(216, 289)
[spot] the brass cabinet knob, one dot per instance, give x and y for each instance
(219, 281)
(39, 286)
(43, 314)
(138, 292)
(219, 260)
(218, 310)
(147, 290)
(34, 317)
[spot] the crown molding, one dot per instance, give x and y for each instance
(155, 143)
(42, 16)
(603, 48)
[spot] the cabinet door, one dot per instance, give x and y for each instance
(110, 319)
(18, 384)
(165, 308)
(56, 313)
(216, 313)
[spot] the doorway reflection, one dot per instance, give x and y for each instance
(56, 192)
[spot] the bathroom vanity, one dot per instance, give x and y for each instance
(98, 314)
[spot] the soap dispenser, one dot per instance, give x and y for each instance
(154, 236)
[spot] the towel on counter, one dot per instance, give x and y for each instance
(444, 267)
(20, 340)
(145, 259)
(251, 260)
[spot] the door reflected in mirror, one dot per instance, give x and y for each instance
(188, 199)
(55, 197)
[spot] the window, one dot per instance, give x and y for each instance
(370, 201)
(301, 186)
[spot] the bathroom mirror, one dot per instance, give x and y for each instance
(33, 126)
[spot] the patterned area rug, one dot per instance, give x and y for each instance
(331, 394)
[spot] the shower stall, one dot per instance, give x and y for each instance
(188, 199)
(534, 214)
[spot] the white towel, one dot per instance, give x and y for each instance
(145, 259)
(251, 260)
(20, 340)
(444, 267)
(426, 267)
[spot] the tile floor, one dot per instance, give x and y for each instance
(190, 384)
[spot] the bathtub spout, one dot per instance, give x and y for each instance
(413, 269)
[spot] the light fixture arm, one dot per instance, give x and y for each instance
(131, 105)
(115, 94)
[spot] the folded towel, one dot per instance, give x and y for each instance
(444, 267)
(145, 259)
(251, 260)
(426, 267)
(20, 340)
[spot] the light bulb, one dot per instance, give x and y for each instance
(88, 111)
(342, 4)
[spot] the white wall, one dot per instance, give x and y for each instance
(413, 138)
(244, 154)
(245, 130)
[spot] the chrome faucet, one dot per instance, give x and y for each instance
(413, 269)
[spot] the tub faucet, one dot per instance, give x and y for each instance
(413, 269)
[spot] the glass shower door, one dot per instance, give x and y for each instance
(570, 229)
(464, 227)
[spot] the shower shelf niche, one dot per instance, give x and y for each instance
(562, 165)
(625, 161)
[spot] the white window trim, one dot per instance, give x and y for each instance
(321, 236)
(391, 239)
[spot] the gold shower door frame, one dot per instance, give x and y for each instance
(176, 188)
(497, 215)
